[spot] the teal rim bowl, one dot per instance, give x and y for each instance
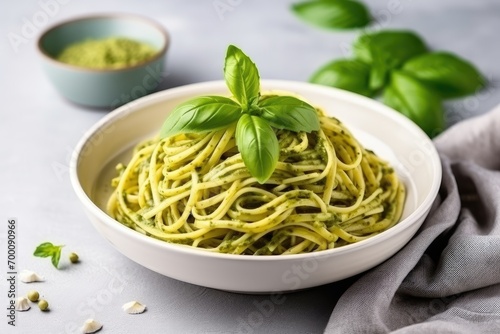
(104, 88)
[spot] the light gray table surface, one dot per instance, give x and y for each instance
(39, 130)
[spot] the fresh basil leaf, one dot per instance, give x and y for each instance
(333, 14)
(47, 249)
(352, 75)
(379, 71)
(413, 99)
(446, 73)
(201, 114)
(395, 46)
(242, 76)
(385, 51)
(258, 146)
(288, 112)
(56, 256)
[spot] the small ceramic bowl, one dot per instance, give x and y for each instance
(390, 134)
(103, 88)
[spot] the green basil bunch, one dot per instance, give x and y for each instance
(398, 66)
(395, 65)
(255, 115)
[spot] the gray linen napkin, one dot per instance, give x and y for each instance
(447, 278)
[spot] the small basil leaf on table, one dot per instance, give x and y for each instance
(333, 14)
(242, 76)
(258, 146)
(47, 249)
(201, 114)
(446, 73)
(288, 112)
(56, 256)
(413, 99)
(385, 51)
(352, 75)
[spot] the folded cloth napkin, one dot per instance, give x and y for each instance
(447, 278)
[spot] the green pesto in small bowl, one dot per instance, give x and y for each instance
(107, 53)
(106, 60)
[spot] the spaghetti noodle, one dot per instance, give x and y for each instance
(194, 189)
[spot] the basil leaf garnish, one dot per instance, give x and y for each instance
(413, 99)
(201, 114)
(242, 76)
(446, 73)
(258, 146)
(348, 74)
(333, 14)
(255, 138)
(288, 112)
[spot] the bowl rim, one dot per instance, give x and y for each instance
(151, 99)
(127, 16)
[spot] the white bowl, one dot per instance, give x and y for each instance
(377, 127)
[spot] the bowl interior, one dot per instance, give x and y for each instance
(57, 38)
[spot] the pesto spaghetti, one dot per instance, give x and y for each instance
(326, 191)
(257, 174)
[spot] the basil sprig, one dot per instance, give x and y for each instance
(397, 66)
(255, 115)
(393, 64)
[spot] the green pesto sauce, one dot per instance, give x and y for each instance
(322, 149)
(107, 53)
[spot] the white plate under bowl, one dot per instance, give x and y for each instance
(377, 127)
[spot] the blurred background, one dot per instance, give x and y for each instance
(283, 46)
